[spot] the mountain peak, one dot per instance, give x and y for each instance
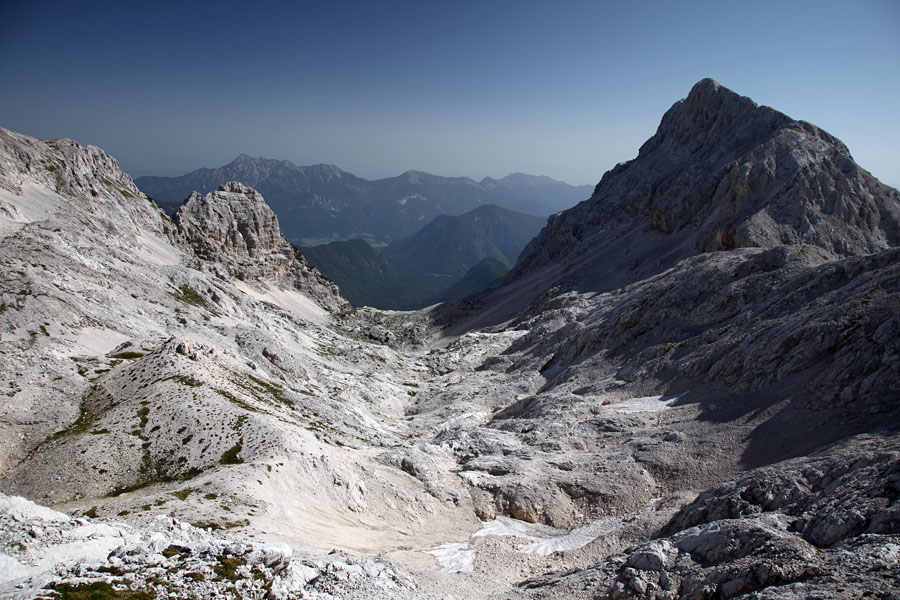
(709, 116)
(710, 95)
(722, 172)
(244, 159)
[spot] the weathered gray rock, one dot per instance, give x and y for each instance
(761, 536)
(235, 227)
(165, 557)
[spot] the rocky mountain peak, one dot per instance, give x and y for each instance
(711, 122)
(235, 228)
(722, 172)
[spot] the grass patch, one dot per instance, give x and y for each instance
(142, 415)
(176, 551)
(230, 456)
(227, 567)
(91, 512)
(127, 355)
(235, 400)
(83, 422)
(276, 391)
(183, 380)
(188, 295)
(97, 590)
(183, 494)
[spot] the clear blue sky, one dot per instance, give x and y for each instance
(565, 89)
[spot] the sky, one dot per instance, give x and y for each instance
(565, 89)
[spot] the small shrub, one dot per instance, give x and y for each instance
(127, 355)
(230, 456)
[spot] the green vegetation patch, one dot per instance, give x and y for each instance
(183, 494)
(235, 400)
(230, 456)
(227, 567)
(183, 380)
(176, 551)
(127, 355)
(189, 295)
(142, 415)
(85, 418)
(97, 590)
(263, 390)
(215, 525)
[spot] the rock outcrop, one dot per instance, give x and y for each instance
(235, 227)
(816, 527)
(86, 177)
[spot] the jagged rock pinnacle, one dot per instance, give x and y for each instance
(236, 228)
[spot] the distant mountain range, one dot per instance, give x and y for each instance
(451, 245)
(445, 260)
(320, 203)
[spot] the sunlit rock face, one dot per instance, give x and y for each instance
(234, 227)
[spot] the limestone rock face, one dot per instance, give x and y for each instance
(236, 228)
(720, 173)
(86, 176)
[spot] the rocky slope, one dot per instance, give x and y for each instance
(323, 203)
(162, 557)
(792, 344)
(817, 527)
(142, 378)
(642, 418)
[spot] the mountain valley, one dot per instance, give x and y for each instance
(684, 387)
(426, 267)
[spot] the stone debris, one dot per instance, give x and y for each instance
(45, 550)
